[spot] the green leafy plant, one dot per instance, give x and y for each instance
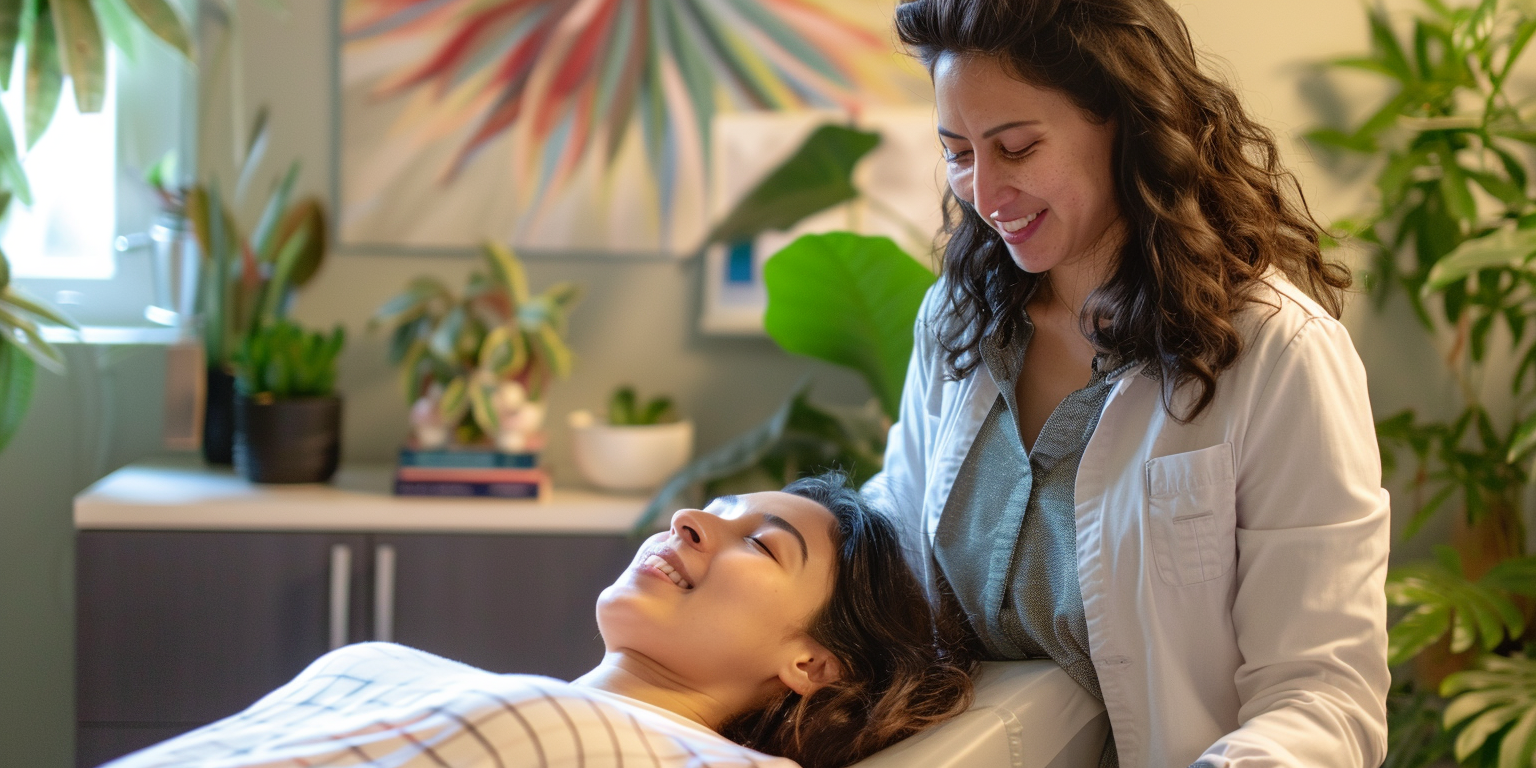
(469, 346)
(53, 39)
(280, 361)
(249, 281)
(1453, 232)
(625, 409)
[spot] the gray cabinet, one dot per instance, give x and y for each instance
(177, 629)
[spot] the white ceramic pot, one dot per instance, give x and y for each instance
(629, 458)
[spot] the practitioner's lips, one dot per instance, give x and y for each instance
(1019, 229)
(665, 563)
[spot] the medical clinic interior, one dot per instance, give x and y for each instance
(654, 382)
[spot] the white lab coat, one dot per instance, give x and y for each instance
(1231, 568)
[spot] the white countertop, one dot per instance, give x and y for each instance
(181, 493)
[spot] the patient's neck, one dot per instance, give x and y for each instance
(638, 677)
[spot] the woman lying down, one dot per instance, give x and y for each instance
(781, 623)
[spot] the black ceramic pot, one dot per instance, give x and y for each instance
(219, 418)
(287, 441)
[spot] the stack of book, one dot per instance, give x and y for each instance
(470, 472)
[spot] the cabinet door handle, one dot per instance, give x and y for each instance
(341, 592)
(384, 593)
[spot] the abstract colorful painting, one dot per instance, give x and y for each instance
(584, 125)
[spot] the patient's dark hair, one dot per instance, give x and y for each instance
(902, 669)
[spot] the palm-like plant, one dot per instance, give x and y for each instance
(479, 365)
(53, 39)
(1453, 232)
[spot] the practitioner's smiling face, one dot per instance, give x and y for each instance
(728, 592)
(1036, 168)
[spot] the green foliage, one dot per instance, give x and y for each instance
(1494, 706)
(1468, 460)
(850, 300)
(1415, 736)
(624, 409)
(281, 361)
(816, 177)
(496, 331)
(249, 281)
(17, 374)
(1444, 600)
(1453, 232)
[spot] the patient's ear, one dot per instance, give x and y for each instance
(811, 668)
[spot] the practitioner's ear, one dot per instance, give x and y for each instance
(811, 668)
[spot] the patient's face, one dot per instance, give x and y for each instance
(719, 595)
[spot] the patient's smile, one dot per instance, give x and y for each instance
(657, 563)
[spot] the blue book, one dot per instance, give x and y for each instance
(487, 490)
(461, 458)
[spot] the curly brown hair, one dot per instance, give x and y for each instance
(903, 668)
(1208, 206)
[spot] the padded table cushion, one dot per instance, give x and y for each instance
(1027, 714)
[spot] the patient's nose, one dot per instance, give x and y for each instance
(693, 526)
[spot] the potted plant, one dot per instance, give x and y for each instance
(247, 281)
(638, 445)
(287, 412)
(1453, 233)
(477, 367)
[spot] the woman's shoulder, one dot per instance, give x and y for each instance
(1279, 315)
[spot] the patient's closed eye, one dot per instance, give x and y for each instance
(766, 549)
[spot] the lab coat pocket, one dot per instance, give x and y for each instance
(1192, 513)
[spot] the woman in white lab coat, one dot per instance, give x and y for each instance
(1134, 437)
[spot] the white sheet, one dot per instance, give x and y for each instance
(386, 705)
(1028, 714)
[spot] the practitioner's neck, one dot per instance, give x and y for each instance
(631, 674)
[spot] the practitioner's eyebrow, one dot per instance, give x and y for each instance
(779, 522)
(990, 133)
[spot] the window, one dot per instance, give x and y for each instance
(89, 196)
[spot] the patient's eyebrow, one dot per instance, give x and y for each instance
(779, 522)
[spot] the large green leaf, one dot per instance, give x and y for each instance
(735, 455)
(17, 372)
(162, 20)
(82, 51)
(1445, 600)
(45, 78)
(12, 176)
(817, 176)
(508, 271)
(1499, 691)
(263, 238)
(5, 272)
(10, 34)
(850, 300)
(1505, 248)
(119, 26)
(48, 313)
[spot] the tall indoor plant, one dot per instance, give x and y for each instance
(1453, 233)
(248, 283)
(53, 39)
